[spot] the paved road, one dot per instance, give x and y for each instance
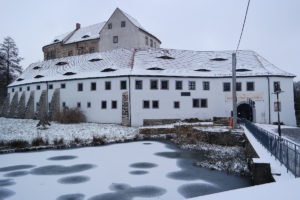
(292, 133)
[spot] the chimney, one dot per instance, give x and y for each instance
(77, 26)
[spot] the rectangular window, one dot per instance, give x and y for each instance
(123, 24)
(153, 84)
(203, 103)
(80, 87)
(109, 26)
(238, 86)
(250, 86)
(146, 40)
(78, 104)
(70, 53)
(164, 84)
(114, 104)
(151, 42)
(63, 104)
(93, 86)
(28, 88)
(51, 55)
(196, 103)
(276, 86)
(226, 87)
(63, 85)
(107, 85)
(178, 85)
(38, 87)
(205, 85)
(176, 104)
(123, 85)
(115, 39)
(88, 104)
(13, 90)
(103, 104)
(50, 87)
(92, 50)
(20, 89)
(138, 84)
(146, 104)
(155, 104)
(192, 85)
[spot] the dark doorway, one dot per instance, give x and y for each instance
(245, 111)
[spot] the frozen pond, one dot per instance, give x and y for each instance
(136, 170)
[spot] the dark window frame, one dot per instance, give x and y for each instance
(28, 88)
(192, 85)
(238, 89)
(103, 104)
(115, 39)
(63, 86)
(109, 25)
(148, 102)
(155, 104)
(114, 104)
(176, 104)
(206, 85)
(123, 24)
(107, 85)
(153, 81)
(250, 86)
(123, 85)
(89, 105)
(78, 104)
(226, 87)
(202, 104)
(176, 85)
(80, 87)
(196, 103)
(275, 85)
(93, 86)
(162, 86)
(38, 87)
(138, 86)
(50, 86)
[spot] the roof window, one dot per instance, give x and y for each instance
(85, 36)
(69, 73)
(218, 59)
(242, 70)
(202, 70)
(61, 63)
(165, 57)
(36, 67)
(95, 59)
(56, 40)
(108, 70)
(39, 76)
(155, 68)
(20, 79)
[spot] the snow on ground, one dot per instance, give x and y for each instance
(266, 157)
(177, 124)
(25, 129)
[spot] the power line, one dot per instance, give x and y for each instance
(243, 26)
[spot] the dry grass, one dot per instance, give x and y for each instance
(70, 116)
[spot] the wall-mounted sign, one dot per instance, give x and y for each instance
(246, 96)
(185, 94)
(277, 106)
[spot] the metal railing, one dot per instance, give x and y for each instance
(287, 152)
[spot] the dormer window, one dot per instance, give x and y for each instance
(109, 26)
(218, 59)
(165, 57)
(123, 24)
(36, 67)
(202, 70)
(20, 79)
(85, 36)
(61, 63)
(39, 76)
(56, 40)
(155, 68)
(242, 70)
(69, 73)
(108, 70)
(95, 59)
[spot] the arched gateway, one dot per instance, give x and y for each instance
(245, 111)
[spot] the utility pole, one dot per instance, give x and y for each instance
(234, 99)
(278, 110)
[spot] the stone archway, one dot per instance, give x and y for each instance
(245, 111)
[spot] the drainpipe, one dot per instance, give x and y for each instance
(269, 99)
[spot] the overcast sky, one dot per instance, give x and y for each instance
(272, 29)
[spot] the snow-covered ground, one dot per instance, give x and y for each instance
(25, 129)
(172, 125)
(137, 170)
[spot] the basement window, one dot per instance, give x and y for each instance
(39, 76)
(166, 57)
(202, 70)
(61, 63)
(242, 70)
(69, 73)
(36, 67)
(108, 70)
(85, 36)
(95, 59)
(155, 68)
(218, 59)
(20, 79)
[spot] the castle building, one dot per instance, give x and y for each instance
(134, 81)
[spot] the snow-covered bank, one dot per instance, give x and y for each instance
(25, 129)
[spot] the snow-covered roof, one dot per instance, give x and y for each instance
(83, 33)
(149, 62)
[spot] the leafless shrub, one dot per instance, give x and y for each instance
(18, 143)
(58, 141)
(39, 141)
(99, 139)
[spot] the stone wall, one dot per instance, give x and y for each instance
(29, 110)
(125, 109)
(154, 122)
(13, 106)
(21, 107)
(5, 107)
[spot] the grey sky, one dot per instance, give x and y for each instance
(272, 29)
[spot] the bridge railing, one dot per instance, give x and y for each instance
(287, 152)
